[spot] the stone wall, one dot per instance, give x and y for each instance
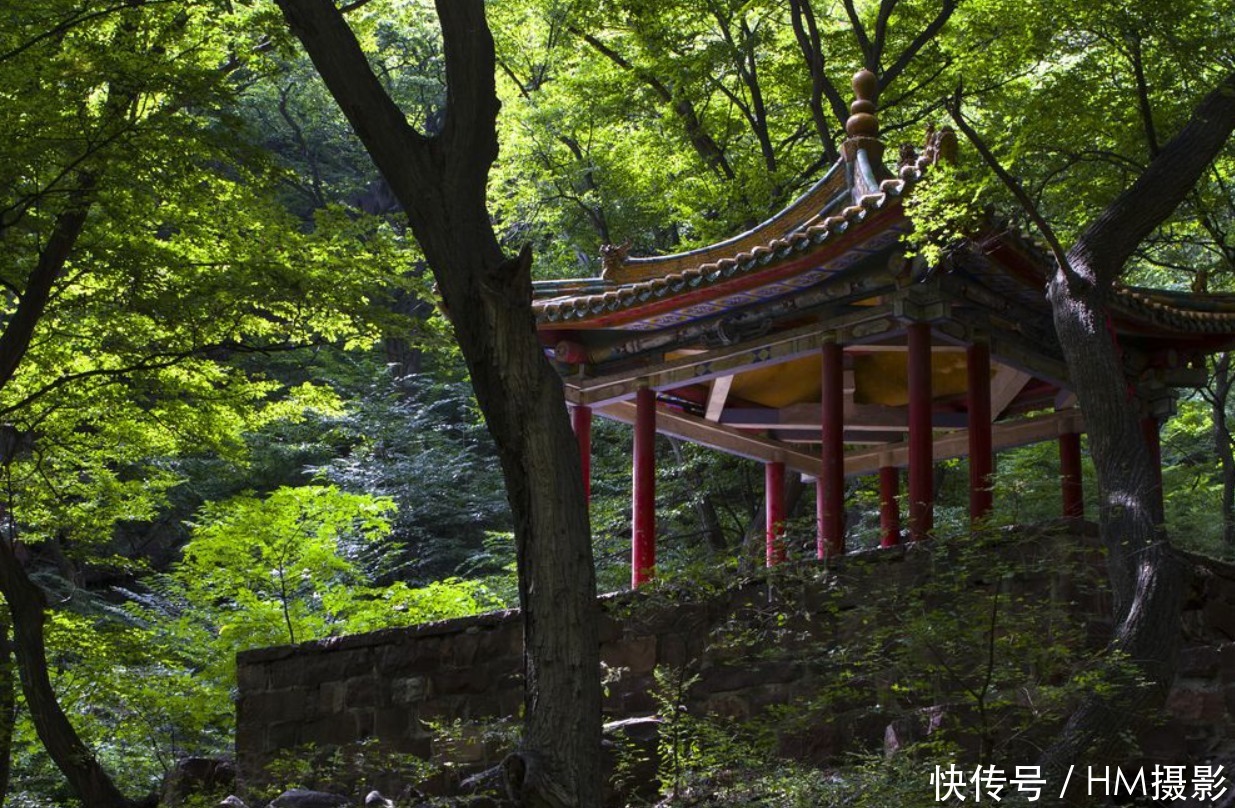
(755, 644)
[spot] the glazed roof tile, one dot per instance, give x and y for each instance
(815, 218)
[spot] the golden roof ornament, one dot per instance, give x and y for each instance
(863, 150)
(863, 122)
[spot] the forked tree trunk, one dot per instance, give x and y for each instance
(441, 183)
(1147, 578)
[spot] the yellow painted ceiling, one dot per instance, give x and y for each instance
(879, 378)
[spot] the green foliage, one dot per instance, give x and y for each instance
(280, 562)
(343, 770)
(419, 441)
(973, 652)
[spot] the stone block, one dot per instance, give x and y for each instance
(674, 651)
(1226, 658)
(505, 640)
(636, 654)
(608, 628)
(410, 656)
(464, 681)
(284, 673)
(1199, 661)
(392, 725)
(1220, 619)
(282, 735)
(1192, 700)
(252, 678)
(408, 689)
(726, 678)
(331, 698)
(274, 705)
(637, 702)
(460, 650)
(334, 730)
(336, 665)
(727, 705)
(363, 691)
(439, 708)
(510, 703)
(363, 722)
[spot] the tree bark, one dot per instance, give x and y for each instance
(441, 183)
(27, 608)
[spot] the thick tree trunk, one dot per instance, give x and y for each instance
(441, 183)
(26, 605)
(1147, 579)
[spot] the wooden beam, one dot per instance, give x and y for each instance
(717, 436)
(1005, 387)
(956, 444)
(717, 396)
(859, 417)
(725, 361)
(902, 348)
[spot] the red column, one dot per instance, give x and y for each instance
(581, 420)
(643, 489)
(774, 487)
(1153, 442)
(831, 485)
(981, 457)
(1070, 475)
(889, 506)
(921, 448)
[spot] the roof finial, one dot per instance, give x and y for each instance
(862, 120)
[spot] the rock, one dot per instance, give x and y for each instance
(376, 800)
(231, 801)
(303, 798)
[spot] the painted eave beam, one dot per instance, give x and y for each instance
(865, 461)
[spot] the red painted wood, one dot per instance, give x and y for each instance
(1070, 475)
(774, 487)
(643, 490)
(921, 461)
(581, 420)
(831, 498)
(981, 456)
(889, 506)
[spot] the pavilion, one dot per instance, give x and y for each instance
(811, 342)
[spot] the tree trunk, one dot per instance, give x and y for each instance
(1147, 578)
(26, 605)
(441, 183)
(8, 707)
